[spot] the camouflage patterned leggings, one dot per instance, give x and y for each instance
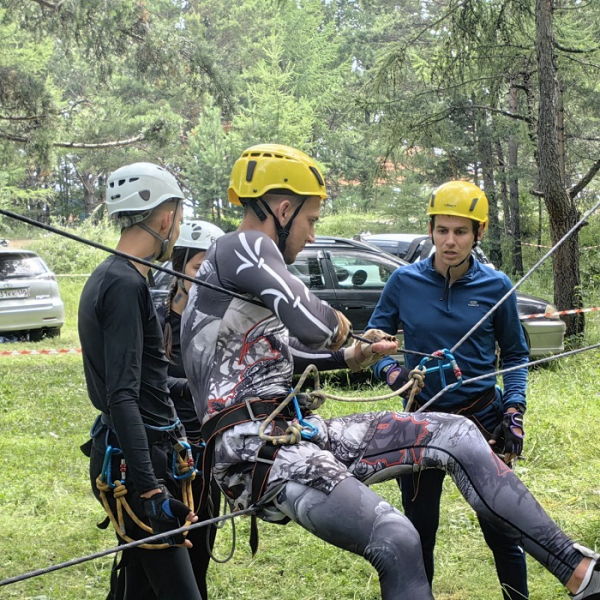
(355, 518)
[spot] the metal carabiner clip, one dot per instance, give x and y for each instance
(106, 474)
(445, 361)
(308, 429)
(189, 459)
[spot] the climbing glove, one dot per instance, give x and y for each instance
(361, 354)
(511, 431)
(344, 330)
(397, 376)
(166, 513)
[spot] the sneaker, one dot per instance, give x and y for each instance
(592, 589)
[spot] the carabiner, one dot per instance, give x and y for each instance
(445, 360)
(308, 429)
(189, 459)
(106, 474)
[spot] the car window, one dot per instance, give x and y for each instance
(308, 270)
(14, 266)
(357, 270)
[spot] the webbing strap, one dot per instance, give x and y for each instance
(255, 410)
(260, 474)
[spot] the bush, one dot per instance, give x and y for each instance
(348, 223)
(66, 256)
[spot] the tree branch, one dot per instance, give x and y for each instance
(52, 5)
(575, 50)
(502, 112)
(34, 118)
(572, 136)
(585, 180)
(77, 145)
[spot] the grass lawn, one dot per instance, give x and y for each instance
(48, 514)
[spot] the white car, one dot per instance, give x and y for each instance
(30, 301)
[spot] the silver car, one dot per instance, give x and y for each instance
(29, 297)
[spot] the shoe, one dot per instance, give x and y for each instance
(592, 589)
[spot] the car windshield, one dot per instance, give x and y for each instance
(20, 266)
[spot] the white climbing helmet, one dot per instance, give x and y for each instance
(140, 187)
(198, 234)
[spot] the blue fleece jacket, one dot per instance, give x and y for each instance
(432, 317)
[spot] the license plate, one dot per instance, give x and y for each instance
(14, 293)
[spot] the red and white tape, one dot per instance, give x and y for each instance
(559, 313)
(40, 352)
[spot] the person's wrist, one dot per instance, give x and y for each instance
(515, 407)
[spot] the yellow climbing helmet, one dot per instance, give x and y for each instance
(273, 167)
(459, 199)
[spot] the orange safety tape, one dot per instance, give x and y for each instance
(558, 313)
(40, 352)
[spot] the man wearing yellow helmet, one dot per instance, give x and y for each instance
(240, 355)
(437, 301)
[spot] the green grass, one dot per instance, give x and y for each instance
(48, 514)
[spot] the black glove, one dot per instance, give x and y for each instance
(165, 513)
(402, 378)
(506, 430)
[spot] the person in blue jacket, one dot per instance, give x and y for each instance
(436, 302)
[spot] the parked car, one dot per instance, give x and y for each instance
(412, 247)
(30, 300)
(350, 276)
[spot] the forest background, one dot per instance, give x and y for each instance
(392, 97)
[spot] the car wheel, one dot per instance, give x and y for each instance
(36, 335)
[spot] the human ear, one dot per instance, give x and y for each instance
(167, 220)
(285, 211)
(480, 231)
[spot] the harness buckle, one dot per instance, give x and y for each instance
(250, 411)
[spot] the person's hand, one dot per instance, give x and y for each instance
(511, 431)
(397, 376)
(362, 355)
(166, 513)
(344, 330)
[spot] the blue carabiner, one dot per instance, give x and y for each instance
(308, 429)
(445, 361)
(190, 460)
(106, 474)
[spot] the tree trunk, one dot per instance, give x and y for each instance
(513, 185)
(503, 188)
(561, 208)
(487, 167)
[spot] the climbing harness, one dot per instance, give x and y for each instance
(183, 469)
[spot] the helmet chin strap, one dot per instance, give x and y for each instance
(282, 231)
(164, 242)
